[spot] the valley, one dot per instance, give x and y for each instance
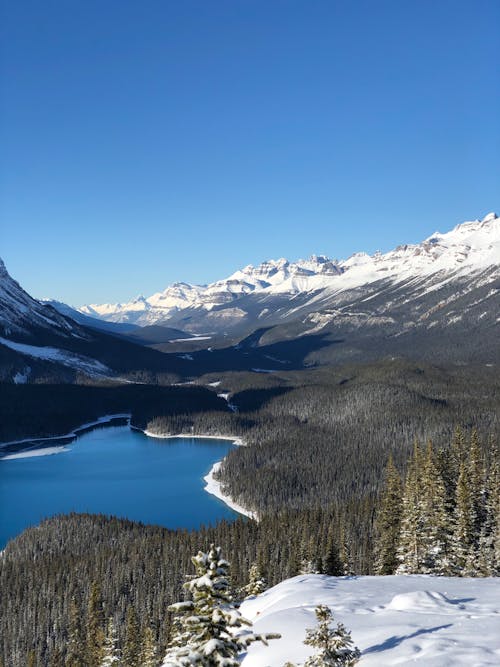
(325, 369)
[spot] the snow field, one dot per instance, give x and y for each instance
(394, 620)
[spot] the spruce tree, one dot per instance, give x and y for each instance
(463, 549)
(257, 583)
(95, 633)
(410, 546)
(74, 655)
(437, 527)
(133, 646)
(477, 485)
(149, 651)
(333, 564)
(335, 644)
(111, 653)
(204, 632)
(487, 563)
(388, 522)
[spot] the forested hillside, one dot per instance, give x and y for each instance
(321, 436)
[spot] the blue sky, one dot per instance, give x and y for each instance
(149, 142)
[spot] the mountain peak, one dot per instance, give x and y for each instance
(468, 248)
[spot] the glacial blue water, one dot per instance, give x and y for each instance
(114, 470)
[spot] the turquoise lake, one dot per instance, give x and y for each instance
(114, 470)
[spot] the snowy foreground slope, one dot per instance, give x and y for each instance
(429, 621)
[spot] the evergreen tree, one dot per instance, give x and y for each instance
(437, 526)
(204, 635)
(388, 522)
(335, 644)
(95, 633)
(346, 550)
(257, 583)
(477, 485)
(487, 564)
(410, 546)
(133, 646)
(111, 653)
(463, 549)
(333, 564)
(149, 651)
(75, 636)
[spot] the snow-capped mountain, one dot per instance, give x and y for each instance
(20, 313)
(179, 296)
(279, 290)
(38, 341)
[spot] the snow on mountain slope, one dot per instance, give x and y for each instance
(19, 312)
(70, 359)
(469, 248)
(422, 620)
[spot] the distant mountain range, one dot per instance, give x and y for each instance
(438, 300)
(279, 290)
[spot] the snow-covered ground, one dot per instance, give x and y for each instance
(77, 361)
(403, 620)
(214, 487)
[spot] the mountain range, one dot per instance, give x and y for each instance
(437, 300)
(280, 289)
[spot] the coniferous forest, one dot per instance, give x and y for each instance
(378, 469)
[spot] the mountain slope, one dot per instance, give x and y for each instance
(428, 300)
(278, 291)
(38, 342)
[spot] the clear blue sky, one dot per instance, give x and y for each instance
(148, 142)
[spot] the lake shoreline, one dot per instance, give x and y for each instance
(15, 446)
(15, 449)
(212, 485)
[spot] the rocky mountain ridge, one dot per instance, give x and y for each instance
(469, 248)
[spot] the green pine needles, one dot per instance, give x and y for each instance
(335, 645)
(209, 630)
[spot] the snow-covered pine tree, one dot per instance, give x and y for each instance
(204, 636)
(410, 547)
(346, 549)
(463, 547)
(111, 657)
(257, 583)
(388, 521)
(437, 528)
(335, 645)
(488, 564)
(476, 470)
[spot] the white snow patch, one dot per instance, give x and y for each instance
(56, 355)
(214, 487)
(43, 451)
(429, 621)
